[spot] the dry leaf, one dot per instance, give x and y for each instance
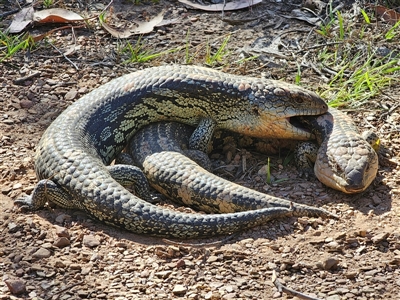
(303, 16)
(168, 22)
(21, 20)
(389, 15)
(142, 28)
(56, 15)
(146, 27)
(118, 33)
(219, 7)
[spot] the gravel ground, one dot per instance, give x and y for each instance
(60, 254)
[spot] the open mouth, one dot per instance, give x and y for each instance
(299, 123)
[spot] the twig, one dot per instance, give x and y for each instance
(66, 288)
(389, 111)
(9, 13)
(281, 288)
(200, 244)
(316, 70)
(318, 46)
(27, 77)
(71, 62)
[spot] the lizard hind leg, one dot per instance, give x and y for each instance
(128, 175)
(46, 191)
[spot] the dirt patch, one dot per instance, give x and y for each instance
(60, 254)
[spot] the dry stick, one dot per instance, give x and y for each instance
(318, 46)
(27, 77)
(71, 62)
(281, 288)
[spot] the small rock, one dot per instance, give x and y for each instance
(63, 217)
(75, 266)
(180, 263)
(277, 295)
(379, 237)
(179, 289)
(327, 264)
(90, 241)
(145, 273)
(12, 227)
(62, 231)
(19, 272)
(86, 270)
(376, 200)
(163, 274)
(121, 245)
(17, 186)
(333, 297)
(212, 259)
(351, 274)
(71, 95)
(334, 246)
(62, 242)
(60, 264)
(42, 253)
(26, 103)
(16, 286)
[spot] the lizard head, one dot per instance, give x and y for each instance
(274, 108)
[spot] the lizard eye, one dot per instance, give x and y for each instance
(298, 99)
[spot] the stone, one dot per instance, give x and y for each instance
(25, 103)
(62, 242)
(61, 231)
(379, 237)
(71, 95)
(179, 290)
(327, 264)
(41, 253)
(163, 274)
(90, 241)
(212, 259)
(16, 286)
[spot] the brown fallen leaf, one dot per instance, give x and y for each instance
(389, 15)
(56, 15)
(220, 7)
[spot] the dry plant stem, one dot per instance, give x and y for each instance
(316, 70)
(282, 289)
(27, 77)
(9, 13)
(71, 62)
(318, 46)
(42, 36)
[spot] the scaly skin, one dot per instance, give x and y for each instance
(73, 154)
(345, 161)
(160, 149)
